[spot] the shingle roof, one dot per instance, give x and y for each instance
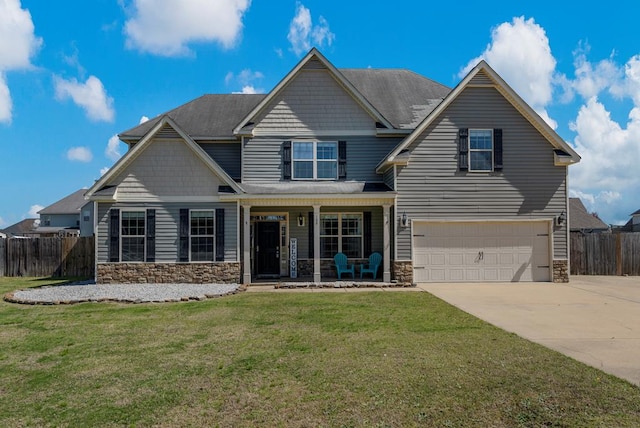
(213, 115)
(635, 213)
(580, 219)
(23, 226)
(403, 97)
(68, 205)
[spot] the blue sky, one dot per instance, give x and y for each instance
(74, 74)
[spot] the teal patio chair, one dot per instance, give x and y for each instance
(342, 266)
(372, 267)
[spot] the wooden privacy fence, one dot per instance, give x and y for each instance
(605, 254)
(56, 257)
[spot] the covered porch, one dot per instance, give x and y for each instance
(292, 239)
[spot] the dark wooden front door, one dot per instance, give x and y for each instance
(268, 248)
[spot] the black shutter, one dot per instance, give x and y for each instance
(286, 160)
(497, 149)
(114, 235)
(220, 234)
(366, 227)
(342, 159)
(311, 234)
(463, 149)
(183, 249)
(151, 235)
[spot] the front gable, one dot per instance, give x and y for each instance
(166, 165)
(313, 99)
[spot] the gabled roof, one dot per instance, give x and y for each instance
(21, 227)
(70, 204)
(132, 154)
(497, 82)
(581, 219)
(405, 98)
(209, 116)
(635, 213)
(340, 78)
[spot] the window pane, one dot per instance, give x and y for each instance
(329, 225)
(133, 223)
(327, 151)
(351, 246)
(327, 169)
(481, 139)
(328, 247)
(481, 161)
(132, 249)
(202, 249)
(302, 169)
(302, 151)
(351, 224)
(201, 223)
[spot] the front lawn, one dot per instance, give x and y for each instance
(289, 359)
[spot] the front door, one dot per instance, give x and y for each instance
(267, 248)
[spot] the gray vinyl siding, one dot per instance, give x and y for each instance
(389, 178)
(528, 187)
(166, 168)
(167, 227)
(481, 79)
(225, 154)
(313, 101)
(86, 226)
(63, 220)
(263, 157)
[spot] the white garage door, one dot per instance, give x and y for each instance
(481, 251)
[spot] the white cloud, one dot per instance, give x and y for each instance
(33, 211)
(113, 148)
(143, 119)
(303, 33)
(3, 222)
(18, 44)
(79, 154)
(166, 27)
(519, 51)
(91, 96)
(104, 170)
(246, 78)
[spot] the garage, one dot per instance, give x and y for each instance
(481, 251)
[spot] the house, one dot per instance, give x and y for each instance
(62, 218)
(463, 184)
(580, 220)
(22, 228)
(633, 225)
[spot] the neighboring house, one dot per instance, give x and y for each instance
(580, 220)
(633, 225)
(22, 228)
(63, 217)
(468, 184)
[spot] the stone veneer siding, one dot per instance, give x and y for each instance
(402, 272)
(168, 273)
(561, 271)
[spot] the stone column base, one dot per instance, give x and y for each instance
(560, 271)
(402, 272)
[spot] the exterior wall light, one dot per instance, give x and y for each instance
(300, 220)
(561, 219)
(404, 221)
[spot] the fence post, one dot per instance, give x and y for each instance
(618, 254)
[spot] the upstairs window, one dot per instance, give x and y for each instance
(315, 160)
(480, 150)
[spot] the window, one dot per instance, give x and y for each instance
(480, 150)
(201, 236)
(341, 233)
(315, 160)
(133, 236)
(86, 215)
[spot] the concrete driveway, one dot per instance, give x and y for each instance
(594, 319)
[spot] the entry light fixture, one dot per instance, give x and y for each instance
(404, 221)
(561, 219)
(300, 220)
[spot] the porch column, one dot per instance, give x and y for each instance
(246, 241)
(386, 242)
(317, 277)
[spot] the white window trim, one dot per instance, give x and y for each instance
(122, 235)
(213, 211)
(340, 235)
(315, 160)
(480, 150)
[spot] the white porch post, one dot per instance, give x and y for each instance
(246, 258)
(386, 257)
(316, 244)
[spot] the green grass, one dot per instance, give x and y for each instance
(287, 359)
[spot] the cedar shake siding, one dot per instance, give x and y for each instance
(529, 186)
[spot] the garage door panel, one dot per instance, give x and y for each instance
(481, 251)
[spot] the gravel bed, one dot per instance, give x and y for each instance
(129, 293)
